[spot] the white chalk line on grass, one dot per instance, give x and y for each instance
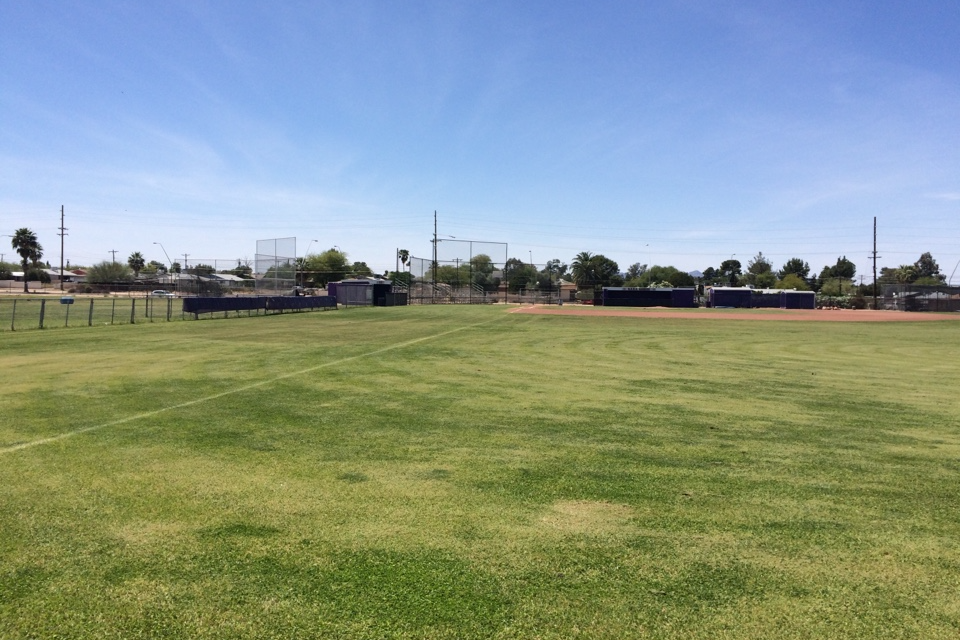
(215, 396)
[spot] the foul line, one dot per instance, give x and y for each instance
(254, 385)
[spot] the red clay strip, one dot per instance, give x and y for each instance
(806, 315)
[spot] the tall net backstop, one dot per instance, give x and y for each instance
(275, 265)
(465, 271)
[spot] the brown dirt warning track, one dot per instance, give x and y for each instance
(805, 315)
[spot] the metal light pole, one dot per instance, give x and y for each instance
(170, 268)
(305, 253)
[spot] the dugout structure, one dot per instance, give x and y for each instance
(366, 292)
(747, 298)
(275, 266)
(677, 297)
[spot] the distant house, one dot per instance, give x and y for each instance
(568, 291)
(230, 280)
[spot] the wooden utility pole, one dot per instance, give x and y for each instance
(874, 262)
(114, 253)
(63, 232)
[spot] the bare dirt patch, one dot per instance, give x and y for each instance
(582, 516)
(806, 315)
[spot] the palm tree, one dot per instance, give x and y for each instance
(25, 243)
(136, 263)
(906, 273)
(583, 269)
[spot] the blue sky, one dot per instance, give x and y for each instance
(672, 132)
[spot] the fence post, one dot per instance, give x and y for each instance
(90, 315)
(66, 321)
(43, 308)
(113, 311)
(169, 308)
(133, 311)
(13, 316)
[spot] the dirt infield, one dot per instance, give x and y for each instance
(806, 315)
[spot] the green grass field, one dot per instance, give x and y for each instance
(469, 473)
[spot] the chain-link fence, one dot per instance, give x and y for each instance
(276, 265)
(912, 297)
(18, 313)
(21, 313)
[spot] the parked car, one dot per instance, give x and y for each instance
(162, 293)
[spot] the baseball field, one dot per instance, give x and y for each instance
(482, 472)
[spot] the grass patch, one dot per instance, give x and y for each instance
(468, 473)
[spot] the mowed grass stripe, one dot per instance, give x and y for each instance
(241, 389)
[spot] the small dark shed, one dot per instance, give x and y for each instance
(365, 292)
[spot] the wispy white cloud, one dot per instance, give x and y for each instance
(952, 196)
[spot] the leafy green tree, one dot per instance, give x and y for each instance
(519, 275)
(242, 270)
(843, 269)
(360, 270)
(523, 277)
(154, 267)
(792, 281)
(136, 262)
(796, 266)
(109, 272)
(888, 275)
(635, 270)
(837, 287)
(928, 269)
(6, 271)
(37, 274)
(448, 274)
(759, 264)
(285, 271)
(175, 268)
(759, 272)
(712, 276)
(207, 270)
(555, 269)
(28, 247)
(329, 266)
(662, 276)
(481, 271)
(731, 270)
(403, 278)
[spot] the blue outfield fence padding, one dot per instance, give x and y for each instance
(197, 306)
(213, 305)
(282, 303)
